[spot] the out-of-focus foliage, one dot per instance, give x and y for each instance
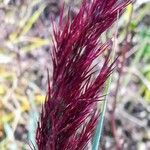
(25, 40)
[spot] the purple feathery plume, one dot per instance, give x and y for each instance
(69, 115)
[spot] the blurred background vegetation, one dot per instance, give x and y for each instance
(25, 43)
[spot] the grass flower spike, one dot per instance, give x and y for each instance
(69, 115)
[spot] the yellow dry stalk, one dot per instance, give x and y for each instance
(25, 106)
(15, 36)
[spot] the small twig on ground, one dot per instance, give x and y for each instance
(120, 72)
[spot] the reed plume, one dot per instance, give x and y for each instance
(69, 115)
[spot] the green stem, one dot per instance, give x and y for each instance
(98, 132)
